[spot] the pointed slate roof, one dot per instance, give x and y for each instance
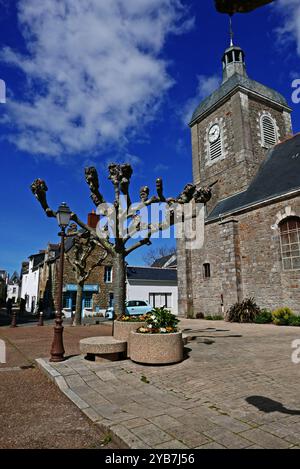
(231, 85)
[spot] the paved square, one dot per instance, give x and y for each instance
(237, 388)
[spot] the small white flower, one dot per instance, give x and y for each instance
(155, 320)
(152, 317)
(150, 326)
(163, 329)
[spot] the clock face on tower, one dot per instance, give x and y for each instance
(214, 133)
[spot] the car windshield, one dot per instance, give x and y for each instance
(136, 303)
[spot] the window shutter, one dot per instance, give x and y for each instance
(269, 134)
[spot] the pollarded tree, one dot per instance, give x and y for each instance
(121, 221)
(81, 259)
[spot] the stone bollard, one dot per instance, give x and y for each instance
(41, 319)
(14, 319)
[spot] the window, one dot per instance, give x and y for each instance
(290, 243)
(111, 299)
(206, 270)
(108, 274)
(157, 300)
(136, 303)
(87, 300)
(268, 131)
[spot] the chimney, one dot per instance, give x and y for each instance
(93, 219)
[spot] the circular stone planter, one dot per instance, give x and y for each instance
(156, 349)
(122, 330)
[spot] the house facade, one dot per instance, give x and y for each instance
(156, 285)
(3, 286)
(30, 281)
(13, 288)
(242, 138)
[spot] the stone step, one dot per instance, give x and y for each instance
(102, 345)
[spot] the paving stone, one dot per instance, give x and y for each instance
(231, 424)
(189, 437)
(130, 439)
(228, 439)
(166, 422)
(173, 444)
(106, 375)
(152, 435)
(264, 439)
(212, 445)
(137, 422)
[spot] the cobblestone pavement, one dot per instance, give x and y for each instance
(237, 388)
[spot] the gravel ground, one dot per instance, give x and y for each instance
(33, 412)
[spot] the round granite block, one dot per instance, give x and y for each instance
(156, 349)
(122, 330)
(102, 345)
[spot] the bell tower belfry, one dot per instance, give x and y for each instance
(233, 128)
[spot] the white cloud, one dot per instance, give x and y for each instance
(94, 71)
(160, 167)
(206, 85)
(290, 16)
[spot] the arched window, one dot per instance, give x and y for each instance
(290, 243)
(269, 135)
(206, 270)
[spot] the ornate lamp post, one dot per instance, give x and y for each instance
(63, 216)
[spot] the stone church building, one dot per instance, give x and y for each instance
(242, 138)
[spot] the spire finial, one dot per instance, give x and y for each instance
(231, 31)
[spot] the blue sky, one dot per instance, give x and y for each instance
(117, 81)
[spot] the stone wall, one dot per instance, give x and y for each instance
(50, 272)
(245, 259)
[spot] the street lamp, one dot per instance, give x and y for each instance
(63, 216)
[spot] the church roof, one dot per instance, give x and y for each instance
(279, 174)
(234, 82)
(147, 274)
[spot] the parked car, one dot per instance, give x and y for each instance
(132, 308)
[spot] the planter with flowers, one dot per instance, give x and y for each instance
(158, 342)
(124, 325)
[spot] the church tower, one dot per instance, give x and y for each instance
(235, 132)
(233, 128)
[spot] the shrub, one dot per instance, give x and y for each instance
(214, 317)
(264, 317)
(294, 321)
(199, 316)
(246, 311)
(281, 316)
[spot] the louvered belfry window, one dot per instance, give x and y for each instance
(269, 132)
(215, 149)
(290, 243)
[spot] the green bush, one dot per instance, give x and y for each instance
(159, 321)
(282, 316)
(214, 317)
(294, 321)
(264, 317)
(246, 311)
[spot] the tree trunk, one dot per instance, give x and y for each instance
(119, 279)
(79, 294)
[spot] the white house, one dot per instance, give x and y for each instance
(30, 281)
(13, 288)
(156, 285)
